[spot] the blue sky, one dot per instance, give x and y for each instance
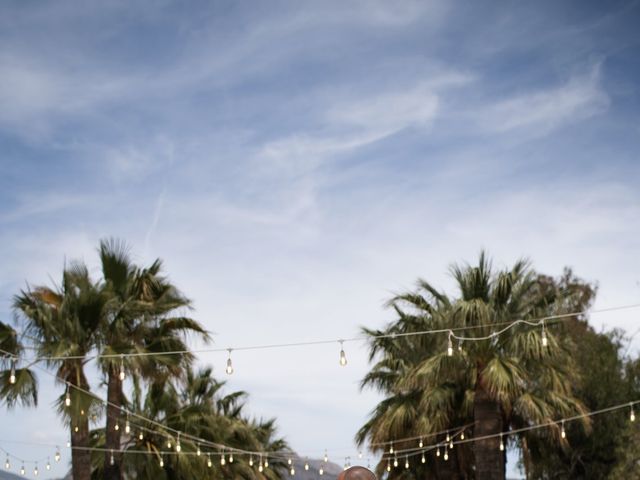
(296, 163)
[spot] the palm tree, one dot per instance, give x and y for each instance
(506, 380)
(197, 406)
(141, 320)
(63, 322)
(18, 386)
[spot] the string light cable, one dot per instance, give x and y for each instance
(507, 326)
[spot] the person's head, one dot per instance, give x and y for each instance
(356, 473)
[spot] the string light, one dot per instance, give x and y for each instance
(343, 357)
(7, 464)
(406, 462)
(446, 454)
(563, 434)
(360, 454)
(22, 469)
(35, 470)
(251, 460)
(292, 471)
(326, 457)
(223, 461)
(169, 444)
(391, 448)
(12, 375)
(462, 435)
(122, 373)
(289, 461)
(178, 447)
(438, 452)
(229, 368)
(67, 399)
(632, 415)
(422, 459)
(450, 345)
(395, 461)
(209, 463)
(161, 461)
(127, 427)
(502, 444)
(388, 466)
(231, 457)
(420, 443)
(48, 466)
(260, 464)
(116, 426)
(545, 341)
(56, 457)
(112, 460)
(266, 462)
(198, 453)
(306, 465)
(141, 435)
(321, 471)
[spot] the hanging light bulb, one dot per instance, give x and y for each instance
(127, 427)
(12, 375)
(462, 435)
(391, 448)
(446, 454)
(7, 464)
(326, 457)
(460, 346)
(82, 411)
(117, 426)
(388, 465)
(438, 452)
(289, 461)
(48, 466)
(266, 462)
(198, 451)
(68, 443)
(67, 398)
(251, 460)
(141, 435)
(448, 439)
(161, 461)
(395, 461)
(501, 444)
(450, 345)
(231, 457)
(35, 470)
(292, 471)
(56, 457)
(321, 471)
(422, 459)
(223, 460)
(112, 460)
(343, 357)
(563, 433)
(178, 446)
(420, 443)
(260, 464)
(122, 373)
(451, 444)
(260, 468)
(306, 465)
(545, 341)
(169, 444)
(75, 429)
(209, 463)
(22, 469)
(406, 462)
(229, 368)
(360, 454)
(632, 415)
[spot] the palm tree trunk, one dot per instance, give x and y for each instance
(114, 413)
(80, 455)
(490, 461)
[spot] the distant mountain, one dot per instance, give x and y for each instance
(331, 470)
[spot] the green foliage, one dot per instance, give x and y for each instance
(426, 390)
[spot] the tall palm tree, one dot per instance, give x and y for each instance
(63, 322)
(503, 381)
(141, 320)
